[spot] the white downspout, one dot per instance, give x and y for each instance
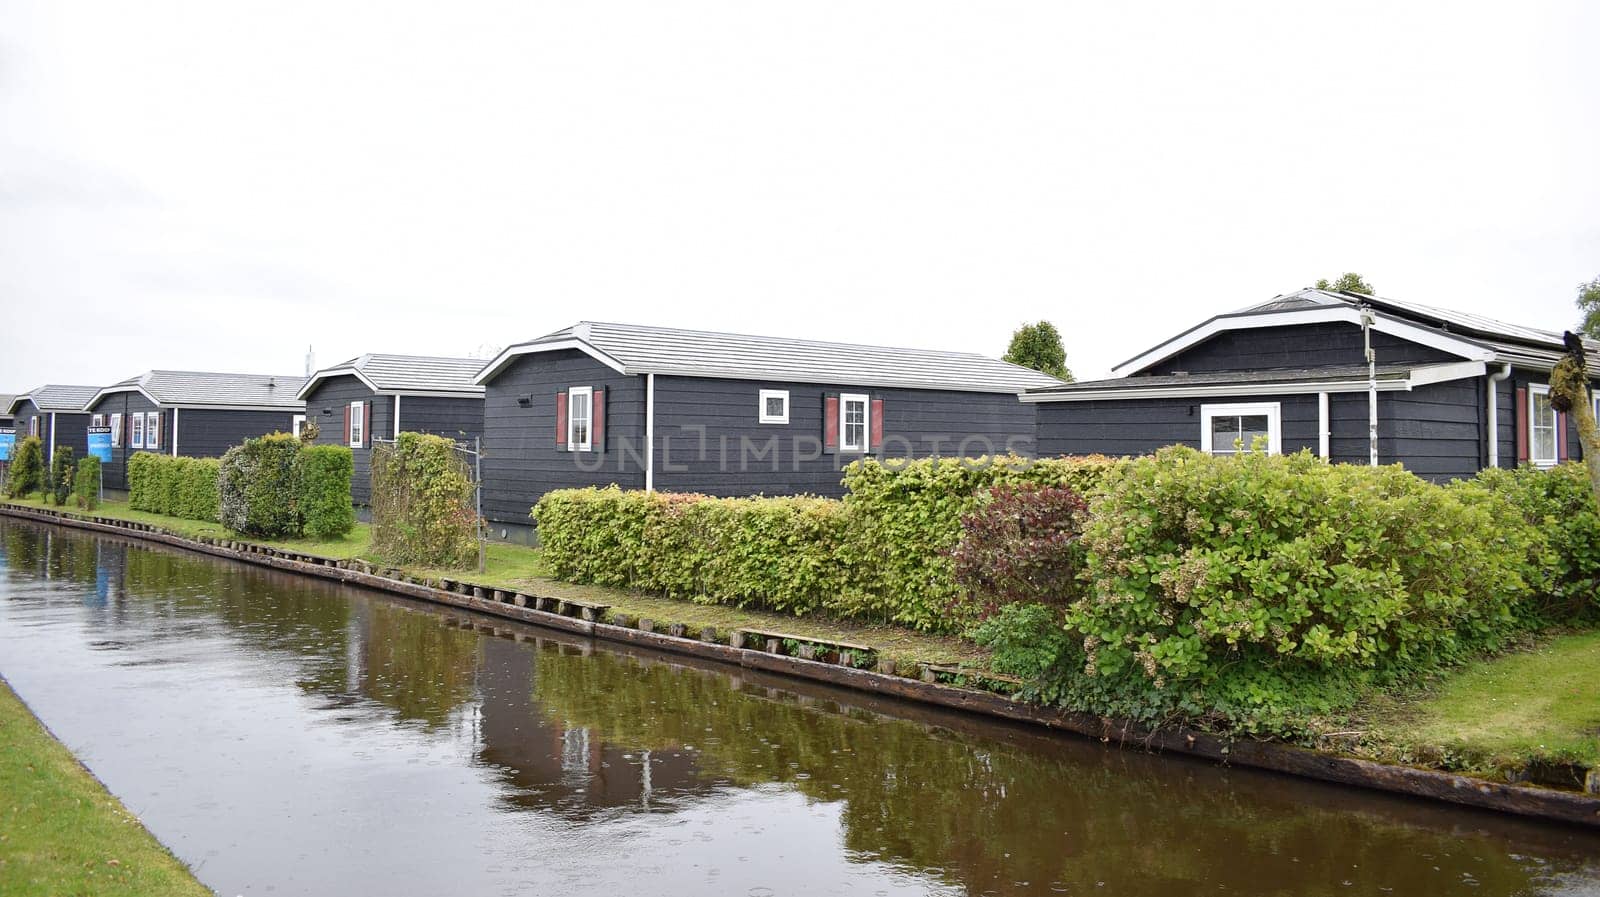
(52, 456)
(397, 415)
(174, 432)
(1322, 425)
(1372, 385)
(1494, 413)
(649, 432)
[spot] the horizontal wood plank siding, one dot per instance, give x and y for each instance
(1297, 346)
(208, 432)
(123, 403)
(325, 405)
(1128, 427)
(521, 460)
(458, 419)
(1435, 431)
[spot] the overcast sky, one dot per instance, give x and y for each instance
(217, 185)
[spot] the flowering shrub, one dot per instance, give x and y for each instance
(1022, 545)
(422, 503)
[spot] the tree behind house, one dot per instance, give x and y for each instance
(1589, 304)
(1038, 346)
(1348, 282)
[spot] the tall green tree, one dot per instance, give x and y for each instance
(1348, 282)
(1589, 304)
(1038, 346)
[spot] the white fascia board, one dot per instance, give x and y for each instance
(1427, 375)
(769, 376)
(469, 393)
(132, 387)
(1305, 387)
(328, 374)
(213, 406)
(1381, 322)
(17, 400)
(511, 353)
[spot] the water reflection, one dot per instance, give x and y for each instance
(310, 738)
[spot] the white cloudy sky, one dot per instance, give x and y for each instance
(216, 185)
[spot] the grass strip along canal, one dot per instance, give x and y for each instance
(762, 647)
(298, 735)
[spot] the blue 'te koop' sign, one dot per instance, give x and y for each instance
(8, 438)
(100, 443)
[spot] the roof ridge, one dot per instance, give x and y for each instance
(786, 339)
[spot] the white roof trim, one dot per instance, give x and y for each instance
(329, 373)
(121, 387)
(510, 353)
(1339, 313)
(1423, 375)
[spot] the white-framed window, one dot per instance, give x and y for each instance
(853, 423)
(138, 432)
(1228, 429)
(1542, 423)
(97, 420)
(774, 407)
(152, 429)
(358, 424)
(33, 425)
(297, 424)
(580, 418)
(116, 430)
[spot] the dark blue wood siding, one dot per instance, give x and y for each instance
(1436, 431)
(521, 461)
(708, 438)
(71, 429)
(1296, 346)
(459, 419)
(115, 474)
(326, 405)
(208, 432)
(1126, 427)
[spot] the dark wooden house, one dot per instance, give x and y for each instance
(1453, 392)
(196, 414)
(379, 396)
(55, 414)
(726, 414)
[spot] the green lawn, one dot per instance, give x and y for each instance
(520, 567)
(1542, 703)
(61, 832)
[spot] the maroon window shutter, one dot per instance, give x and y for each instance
(561, 419)
(875, 440)
(597, 425)
(830, 422)
(347, 425)
(1561, 436)
(366, 423)
(1522, 425)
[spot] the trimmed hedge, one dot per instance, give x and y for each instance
(325, 474)
(259, 485)
(174, 486)
(1561, 505)
(422, 503)
(882, 553)
(86, 483)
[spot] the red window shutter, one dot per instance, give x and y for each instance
(366, 423)
(597, 435)
(875, 440)
(347, 425)
(1561, 436)
(1522, 425)
(830, 422)
(561, 418)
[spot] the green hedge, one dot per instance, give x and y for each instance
(325, 474)
(175, 486)
(422, 503)
(86, 483)
(882, 553)
(1257, 589)
(1561, 505)
(259, 487)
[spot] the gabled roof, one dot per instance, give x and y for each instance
(55, 397)
(185, 389)
(1340, 378)
(634, 349)
(1468, 336)
(406, 375)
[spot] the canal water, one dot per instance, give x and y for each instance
(290, 736)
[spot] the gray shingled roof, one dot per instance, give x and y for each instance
(406, 374)
(55, 397)
(212, 389)
(637, 349)
(5, 404)
(1457, 322)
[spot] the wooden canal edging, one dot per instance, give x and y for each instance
(589, 619)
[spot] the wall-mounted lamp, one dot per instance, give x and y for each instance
(525, 401)
(327, 412)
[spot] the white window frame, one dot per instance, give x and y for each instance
(33, 425)
(573, 445)
(845, 400)
(761, 409)
(152, 430)
(1542, 389)
(1272, 410)
(136, 440)
(97, 420)
(358, 424)
(297, 424)
(116, 429)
